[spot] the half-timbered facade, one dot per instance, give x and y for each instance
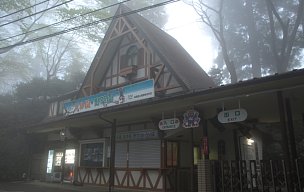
(134, 56)
(147, 103)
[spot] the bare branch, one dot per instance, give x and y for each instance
(272, 30)
(300, 17)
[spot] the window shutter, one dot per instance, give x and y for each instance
(121, 154)
(144, 154)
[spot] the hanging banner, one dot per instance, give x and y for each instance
(191, 119)
(130, 93)
(167, 124)
(234, 115)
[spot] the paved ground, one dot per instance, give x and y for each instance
(37, 186)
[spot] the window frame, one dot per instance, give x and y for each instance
(95, 141)
(132, 56)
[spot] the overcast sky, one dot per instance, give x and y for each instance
(184, 26)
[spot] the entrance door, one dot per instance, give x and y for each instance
(248, 149)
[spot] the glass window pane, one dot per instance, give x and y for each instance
(92, 154)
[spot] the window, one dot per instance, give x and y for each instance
(60, 108)
(132, 56)
(172, 154)
(92, 154)
(53, 109)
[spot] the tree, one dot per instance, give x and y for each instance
(25, 107)
(54, 55)
(23, 16)
(247, 37)
(284, 22)
(95, 33)
(206, 12)
(31, 17)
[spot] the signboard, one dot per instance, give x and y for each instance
(130, 93)
(234, 115)
(137, 135)
(50, 161)
(69, 156)
(167, 124)
(58, 157)
(191, 119)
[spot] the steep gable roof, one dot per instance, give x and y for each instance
(186, 69)
(169, 48)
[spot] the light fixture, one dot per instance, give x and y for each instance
(250, 141)
(62, 135)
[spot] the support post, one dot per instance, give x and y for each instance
(63, 138)
(112, 156)
(112, 152)
(192, 161)
(292, 143)
(293, 149)
(284, 132)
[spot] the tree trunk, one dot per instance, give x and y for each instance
(229, 63)
(253, 41)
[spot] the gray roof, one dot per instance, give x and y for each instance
(177, 59)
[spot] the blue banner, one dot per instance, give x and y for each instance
(130, 93)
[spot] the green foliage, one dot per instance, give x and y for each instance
(39, 88)
(217, 75)
(13, 154)
(27, 106)
(95, 33)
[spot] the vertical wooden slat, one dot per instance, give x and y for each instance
(298, 176)
(272, 175)
(285, 174)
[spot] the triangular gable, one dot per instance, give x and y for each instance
(134, 50)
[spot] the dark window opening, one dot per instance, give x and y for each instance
(132, 54)
(92, 154)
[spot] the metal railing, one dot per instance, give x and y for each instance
(257, 175)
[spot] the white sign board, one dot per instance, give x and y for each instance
(167, 124)
(50, 161)
(234, 115)
(69, 156)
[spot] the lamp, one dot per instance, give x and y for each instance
(250, 141)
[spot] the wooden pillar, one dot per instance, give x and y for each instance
(112, 156)
(192, 161)
(291, 136)
(292, 143)
(284, 132)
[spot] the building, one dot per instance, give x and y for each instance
(148, 107)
